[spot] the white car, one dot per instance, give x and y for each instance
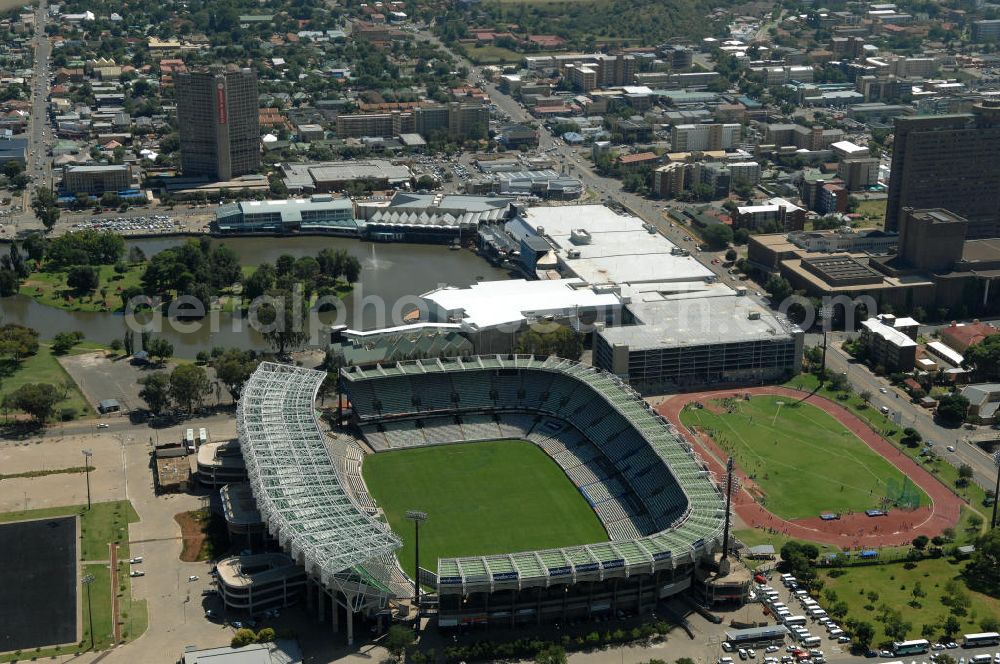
(135, 561)
(751, 653)
(951, 448)
(883, 390)
(103, 425)
(771, 649)
(193, 577)
(136, 572)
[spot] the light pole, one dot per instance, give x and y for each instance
(996, 489)
(86, 469)
(87, 580)
(416, 517)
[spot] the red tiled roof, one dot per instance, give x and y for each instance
(960, 337)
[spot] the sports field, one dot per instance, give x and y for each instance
(481, 498)
(803, 460)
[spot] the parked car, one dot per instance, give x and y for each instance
(136, 560)
(137, 572)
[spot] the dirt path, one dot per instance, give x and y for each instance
(899, 527)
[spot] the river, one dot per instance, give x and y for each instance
(392, 276)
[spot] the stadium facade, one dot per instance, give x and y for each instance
(663, 512)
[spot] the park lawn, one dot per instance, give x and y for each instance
(941, 469)
(894, 585)
(98, 526)
(480, 498)
(50, 289)
(872, 213)
(804, 460)
(42, 367)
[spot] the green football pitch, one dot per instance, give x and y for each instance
(804, 460)
(481, 498)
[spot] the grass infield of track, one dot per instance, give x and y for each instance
(805, 461)
(481, 498)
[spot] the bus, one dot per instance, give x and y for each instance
(982, 639)
(911, 647)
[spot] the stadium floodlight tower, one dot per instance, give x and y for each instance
(416, 517)
(87, 580)
(86, 469)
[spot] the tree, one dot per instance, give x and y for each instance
(864, 632)
(233, 368)
(63, 342)
(990, 624)
(717, 236)
(553, 654)
(155, 391)
(778, 288)
(36, 399)
(984, 357)
(17, 341)
(243, 637)
(83, 278)
(398, 640)
(283, 320)
(983, 571)
(562, 342)
(266, 635)
(952, 408)
(352, 269)
(43, 203)
(920, 542)
(159, 349)
(9, 283)
(731, 255)
(895, 627)
(951, 626)
(128, 342)
(189, 385)
(259, 282)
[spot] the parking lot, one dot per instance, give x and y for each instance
(153, 223)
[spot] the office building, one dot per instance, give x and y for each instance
(458, 120)
(948, 161)
(95, 180)
(858, 173)
(217, 111)
(807, 138)
(13, 149)
(986, 31)
(699, 137)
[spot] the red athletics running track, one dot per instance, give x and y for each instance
(899, 527)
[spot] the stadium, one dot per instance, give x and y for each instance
(661, 509)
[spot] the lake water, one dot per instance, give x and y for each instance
(392, 277)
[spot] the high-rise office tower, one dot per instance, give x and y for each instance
(219, 125)
(949, 162)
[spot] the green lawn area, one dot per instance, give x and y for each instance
(803, 459)
(481, 498)
(488, 55)
(103, 523)
(42, 367)
(894, 585)
(50, 288)
(872, 213)
(938, 467)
